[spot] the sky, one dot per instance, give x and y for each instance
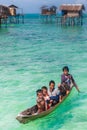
(33, 6)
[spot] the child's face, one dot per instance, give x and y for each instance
(44, 92)
(40, 95)
(52, 85)
(65, 72)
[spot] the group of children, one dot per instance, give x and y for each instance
(47, 98)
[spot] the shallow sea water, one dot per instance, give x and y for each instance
(32, 54)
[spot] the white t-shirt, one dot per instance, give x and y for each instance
(55, 92)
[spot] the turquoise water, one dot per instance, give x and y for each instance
(32, 54)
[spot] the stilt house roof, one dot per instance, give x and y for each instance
(72, 7)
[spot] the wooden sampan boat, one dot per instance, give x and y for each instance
(31, 113)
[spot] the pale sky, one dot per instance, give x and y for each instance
(33, 6)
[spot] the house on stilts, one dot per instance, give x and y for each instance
(4, 13)
(47, 13)
(16, 14)
(72, 14)
(8, 14)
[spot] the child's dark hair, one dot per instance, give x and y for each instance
(66, 68)
(44, 87)
(51, 82)
(38, 91)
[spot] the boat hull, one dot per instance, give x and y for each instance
(24, 118)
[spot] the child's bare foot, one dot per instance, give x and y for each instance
(60, 100)
(67, 92)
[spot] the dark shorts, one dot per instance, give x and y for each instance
(67, 87)
(56, 98)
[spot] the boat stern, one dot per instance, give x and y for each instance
(21, 119)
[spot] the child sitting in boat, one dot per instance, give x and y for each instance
(40, 101)
(67, 81)
(53, 93)
(46, 97)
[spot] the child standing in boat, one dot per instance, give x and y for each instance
(67, 81)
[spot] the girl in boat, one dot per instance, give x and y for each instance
(67, 81)
(46, 97)
(53, 93)
(40, 101)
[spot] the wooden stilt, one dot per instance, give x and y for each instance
(81, 20)
(0, 22)
(23, 19)
(6, 22)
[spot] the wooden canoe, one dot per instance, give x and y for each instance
(25, 116)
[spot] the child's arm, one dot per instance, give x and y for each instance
(74, 83)
(76, 86)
